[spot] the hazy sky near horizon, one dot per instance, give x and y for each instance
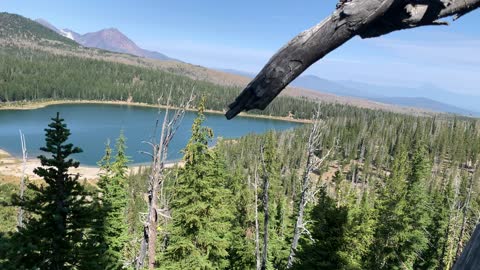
(242, 35)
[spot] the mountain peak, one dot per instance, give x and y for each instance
(112, 31)
(109, 39)
(112, 39)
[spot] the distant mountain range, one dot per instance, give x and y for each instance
(428, 97)
(110, 39)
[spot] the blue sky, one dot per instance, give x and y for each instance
(243, 35)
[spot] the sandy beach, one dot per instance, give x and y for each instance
(11, 169)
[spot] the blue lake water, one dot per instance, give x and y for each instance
(93, 124)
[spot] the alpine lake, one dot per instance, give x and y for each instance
(92, 125)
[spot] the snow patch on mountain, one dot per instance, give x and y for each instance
(67, 34)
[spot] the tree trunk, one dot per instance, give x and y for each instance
(257, 227)
(22, 181)
(152, 229)
(301, 209)
(313, 143)
(266, 185)
(149, 231)
(156, 178)
(464, 219)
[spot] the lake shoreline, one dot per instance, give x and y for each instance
(11, 168)
(108, 120)
(32, 105)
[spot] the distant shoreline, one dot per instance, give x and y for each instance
(32, 105)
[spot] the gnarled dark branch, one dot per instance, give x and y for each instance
(365, 18)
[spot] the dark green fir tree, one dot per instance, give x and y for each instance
(58, 234)
(328, 228)
(200, 233)
(113, 185)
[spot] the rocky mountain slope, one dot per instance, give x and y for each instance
(110, 39)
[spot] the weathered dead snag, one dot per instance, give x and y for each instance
(266, 217)
(364, 18)
(156, 182)
(23, 184)
(312, 163)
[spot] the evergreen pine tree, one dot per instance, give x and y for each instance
(401, 236)
(418, 215)
(113, 185)
(391, 206)
(359, 231)
(328, 225)
(242, 247)
(200, 233)
(432, 258)
(278, 248)
(58, 234)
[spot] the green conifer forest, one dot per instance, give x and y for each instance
(393, 192)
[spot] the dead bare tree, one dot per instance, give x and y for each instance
(257, 227)
(23, 180)
(156, 180)
(364, 18)
(266, 187)
(312, 163)
(451, 231)
(465, 209)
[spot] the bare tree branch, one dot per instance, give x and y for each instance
(266, 219)
(156, 179)
(20, 215)
(364, 18)
(257, 226)
(312, 146)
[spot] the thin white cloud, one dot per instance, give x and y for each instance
(448, 51)
(451, 63)
(216, 55)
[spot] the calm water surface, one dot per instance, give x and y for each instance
(93, 124)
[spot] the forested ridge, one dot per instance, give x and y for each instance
(13, 26)
(397, 192)
(28, 75)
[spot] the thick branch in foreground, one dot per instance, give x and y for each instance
(364, 18)
(470, 258)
